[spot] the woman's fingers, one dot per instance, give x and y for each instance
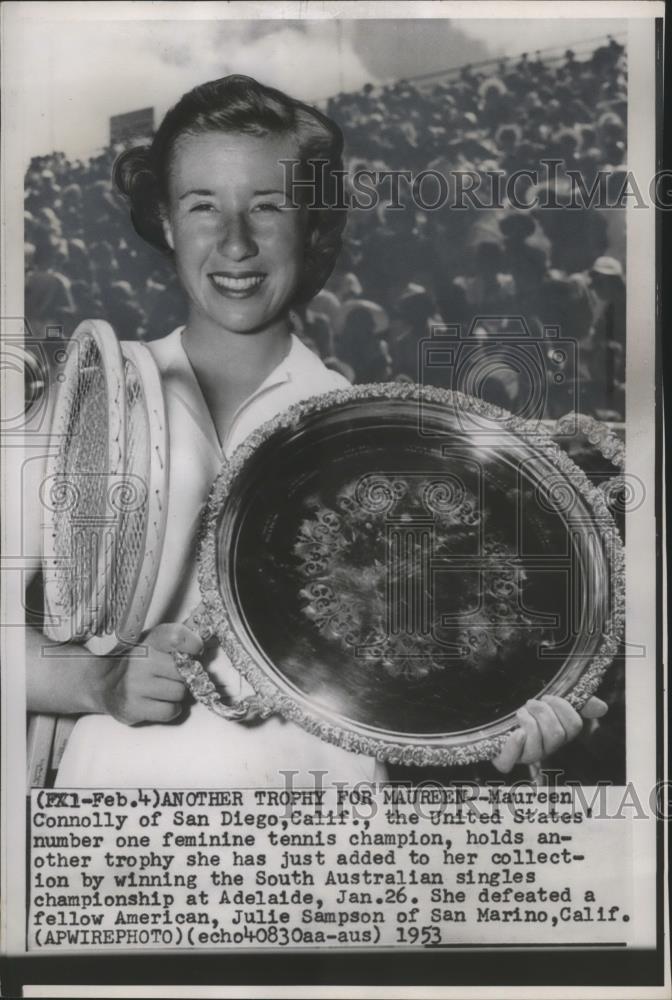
(162, 665)
(145, 689)
(153, 664)
(509, 755)
(148, 688)
(174, 637)
(154, 677)
(533, 748)
(569, 718)
(551, 730)
(546, 724)
(164, 689)
(594, 708)
(160, 711)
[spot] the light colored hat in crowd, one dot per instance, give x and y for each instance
(351, 285)
(412, 291)
(608, 266)
(417, 299)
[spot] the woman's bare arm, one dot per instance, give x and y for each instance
(63, 679)
(141, 686)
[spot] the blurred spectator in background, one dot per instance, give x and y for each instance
(608, 335)
(124, 312)
(577, 235)
(488, 289)
(414, 314)
(48, 297)
(362, 347)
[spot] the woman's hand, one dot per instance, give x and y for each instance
(149, 688)
(545, 726)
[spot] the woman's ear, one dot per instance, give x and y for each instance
(312, 239)
(167, 229)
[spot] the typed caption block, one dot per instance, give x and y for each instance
(362, 867)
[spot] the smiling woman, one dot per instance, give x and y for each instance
(211, 191)
(239, 253)
(240, 107)
(239, 245)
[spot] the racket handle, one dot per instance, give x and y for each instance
(195, 676)
(40, 739)
(536, 775)
(64, 727)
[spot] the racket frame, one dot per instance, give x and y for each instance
(131, 625)
(59, 628)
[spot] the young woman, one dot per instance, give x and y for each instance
(212, 190)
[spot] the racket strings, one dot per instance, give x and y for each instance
(80, 486)
(103, 528)
(133, 504)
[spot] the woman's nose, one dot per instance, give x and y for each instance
(236, 240)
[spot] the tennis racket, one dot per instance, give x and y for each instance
(86, 459)
(141, 499)
(84, 473)
(107, 485)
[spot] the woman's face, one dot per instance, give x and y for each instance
(238, 242)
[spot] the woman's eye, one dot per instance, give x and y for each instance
(202, 207)
(266, 206)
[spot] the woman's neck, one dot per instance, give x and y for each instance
(235, 361)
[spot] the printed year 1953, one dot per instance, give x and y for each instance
(417, 934)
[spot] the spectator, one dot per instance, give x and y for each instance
(488, 290)
(608, 331)
(48, 297)
(124, 312)
(362, 348)
(414, 312)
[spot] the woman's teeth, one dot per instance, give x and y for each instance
(237, 284)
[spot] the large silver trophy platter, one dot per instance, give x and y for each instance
(398, 569)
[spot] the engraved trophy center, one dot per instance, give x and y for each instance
(381, 584)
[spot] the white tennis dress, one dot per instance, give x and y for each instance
(201, 750)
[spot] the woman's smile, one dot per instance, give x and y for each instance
(239, 242)
(237, 286)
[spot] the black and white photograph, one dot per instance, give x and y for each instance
(332, 573)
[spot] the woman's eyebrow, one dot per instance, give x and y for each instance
(198, 191)
(204, 192)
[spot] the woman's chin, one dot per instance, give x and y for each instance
(246, 322)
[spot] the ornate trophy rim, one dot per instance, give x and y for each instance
(467, 746)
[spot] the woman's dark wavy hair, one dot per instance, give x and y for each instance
(239, 104)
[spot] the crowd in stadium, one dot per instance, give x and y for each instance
(403, 274)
